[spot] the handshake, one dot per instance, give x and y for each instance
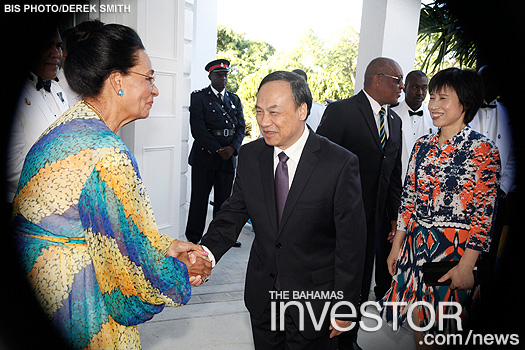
(195, 258)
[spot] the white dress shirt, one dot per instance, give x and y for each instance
(294, 155)
(376, 107)
(413, 128)
(35, 112)
(316, 113)
(495, 124)
(217, 92)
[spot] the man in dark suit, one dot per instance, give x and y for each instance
(218, 127)
(365, 125)
(307, 213)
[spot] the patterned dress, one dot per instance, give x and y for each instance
(87, 237)
(448, 205)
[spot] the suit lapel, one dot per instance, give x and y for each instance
(392, 127)
(305, 168)
(268, 184)
(368, 114)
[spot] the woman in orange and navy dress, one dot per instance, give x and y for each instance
(448, 203)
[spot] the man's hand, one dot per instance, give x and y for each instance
(340, 324)
(392, 232)
(194, 257)
(226, 152)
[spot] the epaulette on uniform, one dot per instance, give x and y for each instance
(199, 90)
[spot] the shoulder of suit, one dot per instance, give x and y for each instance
(201, 91)
(253, 146)
(332, 149)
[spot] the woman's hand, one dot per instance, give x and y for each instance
(461, 275)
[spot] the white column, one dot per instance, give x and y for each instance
(388, 29)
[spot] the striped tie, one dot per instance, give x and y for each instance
(382, 133)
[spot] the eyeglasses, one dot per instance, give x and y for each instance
(149, 78)
(398, 80)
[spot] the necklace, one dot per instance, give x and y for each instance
(94, 109)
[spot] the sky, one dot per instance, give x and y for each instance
(281, 23)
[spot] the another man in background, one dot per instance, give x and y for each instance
(314, 119)
(414, 114)
(365, 125)
(493, 121)
(40, 103)
(218, 127)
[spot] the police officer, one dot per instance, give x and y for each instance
(218, 127)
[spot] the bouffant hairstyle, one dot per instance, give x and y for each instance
(467, 85)
(94, 51)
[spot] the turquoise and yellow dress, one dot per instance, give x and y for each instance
(87, 237)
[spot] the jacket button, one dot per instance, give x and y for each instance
(272, 275)
(278, 245)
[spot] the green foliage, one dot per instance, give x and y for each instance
(330, 67)
(442, 42)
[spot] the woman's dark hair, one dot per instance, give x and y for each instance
(467, 85)
(300, 90)
(94, 51)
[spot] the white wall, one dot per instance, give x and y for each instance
(202, 48)
(389, 29)
(170, 31)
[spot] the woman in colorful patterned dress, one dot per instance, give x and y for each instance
(448, 203)
(84, 225)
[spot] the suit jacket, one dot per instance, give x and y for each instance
(32, 117)
(351, 124)
(319, 245)
(205, 115)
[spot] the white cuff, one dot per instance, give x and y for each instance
(210, 256)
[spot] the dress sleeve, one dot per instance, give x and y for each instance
(135, 277)
(488, 169)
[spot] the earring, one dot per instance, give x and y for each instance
(120, 92)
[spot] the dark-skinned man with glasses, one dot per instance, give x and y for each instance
(365, 125)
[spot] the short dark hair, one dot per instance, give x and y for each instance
(300, 90)
(95, 50)
(467, 85)
(414, 74)
(302, 73)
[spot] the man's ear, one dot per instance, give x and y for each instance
(303, 111)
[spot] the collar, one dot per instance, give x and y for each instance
(376, 107)
(216, 92)
(294, 151)
(456, 140)
(410, 108)
(33, 78)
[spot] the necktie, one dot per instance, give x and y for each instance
(281, 193)
(411, 113)
(382, 132)
(281, 184)
(219, 96)
(46, 84)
